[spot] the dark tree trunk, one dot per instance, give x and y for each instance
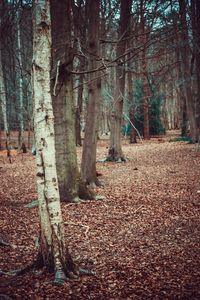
(79, 109)
(70, 185)
(185, 56)
(195, 5)
(115, 150)
(88, 164)
(144, 70)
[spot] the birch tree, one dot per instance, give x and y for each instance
(53, 250)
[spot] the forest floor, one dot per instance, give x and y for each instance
(142, 240)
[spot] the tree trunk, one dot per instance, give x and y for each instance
(70, 185)
(63, 101)
(181, 94)
(195, 5)
(130, 96)
(53, 251)
(88, 164)
(144, 70)
(4, 108)
(79, 106)
(185, 55)
(115, 150)
(21, 142)
(79, 16)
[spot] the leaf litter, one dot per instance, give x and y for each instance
(142, 239)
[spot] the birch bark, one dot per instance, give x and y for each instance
(53, 251)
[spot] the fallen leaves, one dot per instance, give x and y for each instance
(142, 239)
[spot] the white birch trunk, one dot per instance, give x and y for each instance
(53, 250)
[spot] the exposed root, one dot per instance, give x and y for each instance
(86, 272)
(102, 160)
(32, 204)
(85, 192)
(76, 200)
(99, 197)
(22, 271)
(94, 184)
(5, 244)
(118, 159)
(59, 278)
(3, 296)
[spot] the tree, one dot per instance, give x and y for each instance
(115, 149)
(195, 7)
(144, 71)
(53, 250)
(4, 107)
(3, 101)
(185, 56)
(88, 163)
(130, 89)
(21, 143)
(63, 100)
(79, 18)
(70, 184)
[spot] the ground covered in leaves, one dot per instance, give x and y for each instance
(142, 240)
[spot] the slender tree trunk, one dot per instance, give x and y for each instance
(4, 108)
(115, 150)
(88, 164)
(144, 70)
(181, 94)
(131, 107)
(79, 16)
(21, 143)
(185, 55)
(131, 101)
(53, 250)
(195, 5)
(179, 77)
(79, 104)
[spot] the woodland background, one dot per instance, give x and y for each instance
(160, 65)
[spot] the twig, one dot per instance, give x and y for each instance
(134, 127)
(79, 224)
(56, 80)
(138, 208)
